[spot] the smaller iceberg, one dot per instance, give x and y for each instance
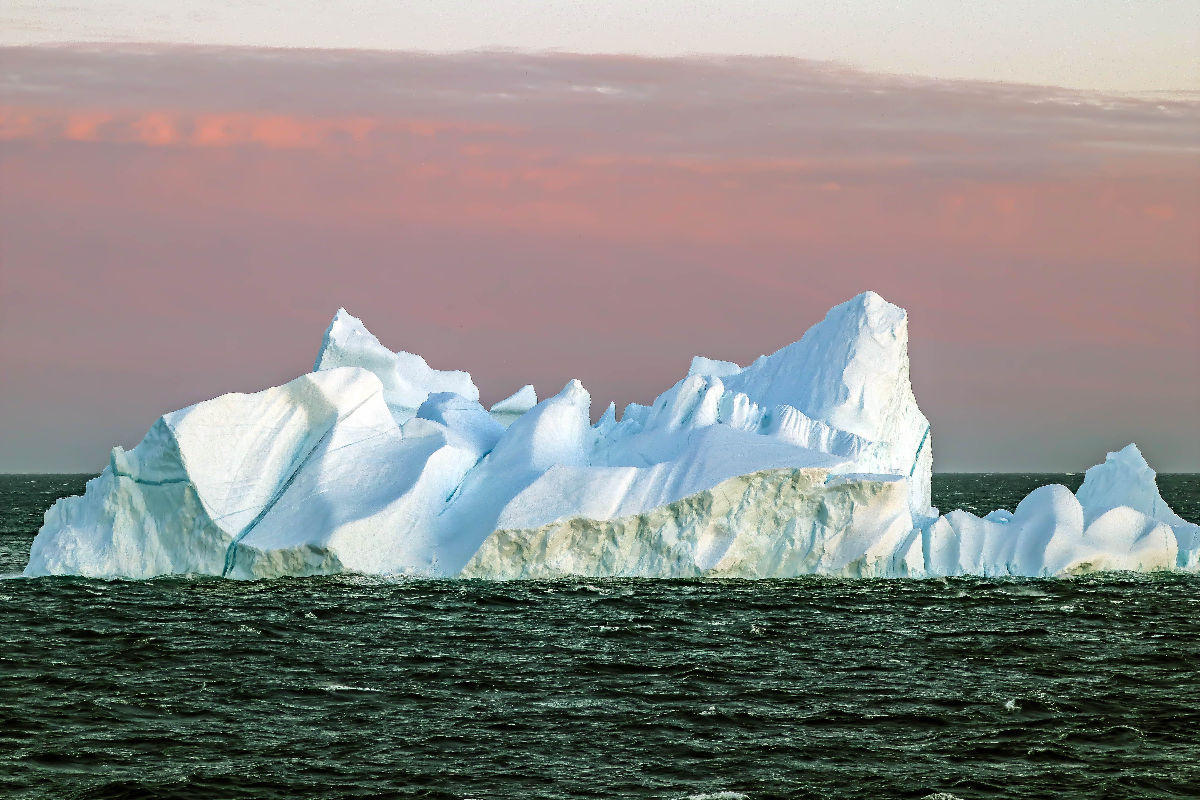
(1116, 521)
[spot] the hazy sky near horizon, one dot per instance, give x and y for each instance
(1121, 45)
(178, 222)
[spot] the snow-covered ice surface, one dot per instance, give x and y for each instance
(812, 460)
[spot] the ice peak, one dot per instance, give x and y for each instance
(555, 431)
(344, 322)
(712, 367)
(1128, 459)
(867, 299)
(1124, 479)
(850, 369)
(871, 298)
(514, 405)
(407, 379)
(1130, 454)
(342, 327)
(575, 394)
(519, 401)
(607, 421)
(871, 310)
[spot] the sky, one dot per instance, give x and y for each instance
(1121, 45)
(182, 219)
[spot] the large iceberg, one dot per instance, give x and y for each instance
(812, 460)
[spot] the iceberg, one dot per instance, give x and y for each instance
(815, 459)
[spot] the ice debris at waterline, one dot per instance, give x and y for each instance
(815, 459)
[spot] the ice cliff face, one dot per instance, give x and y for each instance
(772, 523)
(815, 459)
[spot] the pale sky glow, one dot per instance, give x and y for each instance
(1105, 45)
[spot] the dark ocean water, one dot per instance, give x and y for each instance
(354, 687)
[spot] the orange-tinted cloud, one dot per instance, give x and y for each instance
(229, 129)
(155, 128)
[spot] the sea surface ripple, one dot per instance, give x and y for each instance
(352, 687)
